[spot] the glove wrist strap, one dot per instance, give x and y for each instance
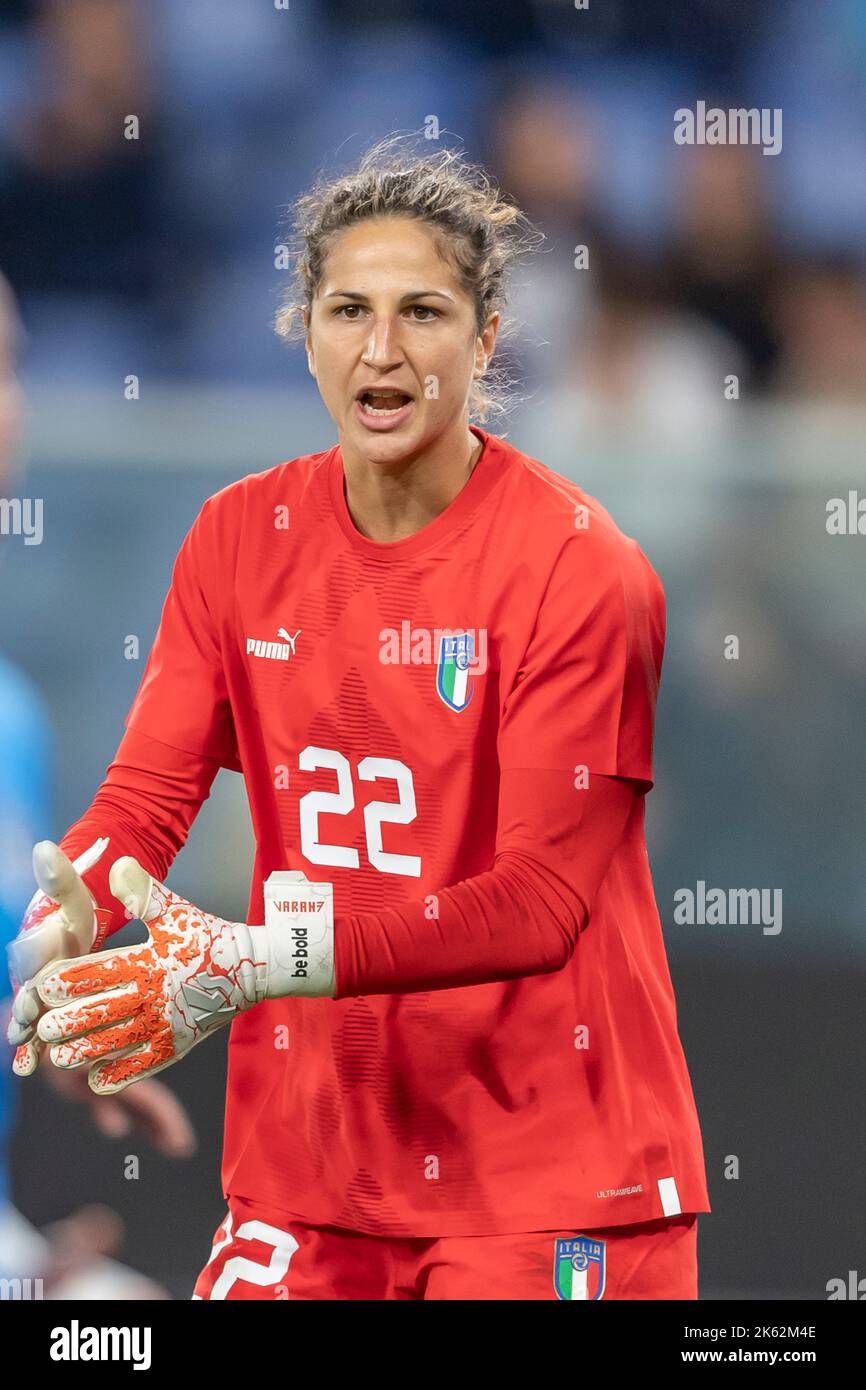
(294, 950)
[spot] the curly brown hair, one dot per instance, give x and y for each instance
(477, 230)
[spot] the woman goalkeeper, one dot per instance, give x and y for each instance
(435, 662)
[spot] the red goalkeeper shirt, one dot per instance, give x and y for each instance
(455, 730)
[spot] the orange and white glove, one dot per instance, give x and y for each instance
(130, 1012)
(61, 920)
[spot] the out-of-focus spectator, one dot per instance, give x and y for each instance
(821, 317)
(722, 263)
(77, 194)
(79, 238)
(550, 300)
(637, 368)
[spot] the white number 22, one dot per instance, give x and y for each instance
(342, 801)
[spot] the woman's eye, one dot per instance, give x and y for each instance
(343, 307)
(425, 309)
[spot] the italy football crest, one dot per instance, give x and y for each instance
(579, 1268)
(452, 671)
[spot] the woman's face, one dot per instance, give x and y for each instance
(389, 313)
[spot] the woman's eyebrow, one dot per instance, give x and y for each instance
(413, 294)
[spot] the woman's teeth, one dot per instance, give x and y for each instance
(371, 409)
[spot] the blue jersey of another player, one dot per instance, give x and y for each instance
(25, 750)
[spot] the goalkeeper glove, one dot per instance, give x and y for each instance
(61, 920)
(130, 1012)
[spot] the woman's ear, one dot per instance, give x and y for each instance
(486, 342)
(311, 361)
(307, 339)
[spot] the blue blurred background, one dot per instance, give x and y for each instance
(155, 257)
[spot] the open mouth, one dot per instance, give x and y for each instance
(383, 403)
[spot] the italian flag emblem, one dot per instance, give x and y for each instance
(452, 672)
(579, 1268)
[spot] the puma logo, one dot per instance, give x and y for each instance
(274, 651)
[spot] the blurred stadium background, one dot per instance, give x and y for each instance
(156, 257)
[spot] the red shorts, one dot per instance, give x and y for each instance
(260, 1253)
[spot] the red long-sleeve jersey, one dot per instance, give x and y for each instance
(456, 731)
